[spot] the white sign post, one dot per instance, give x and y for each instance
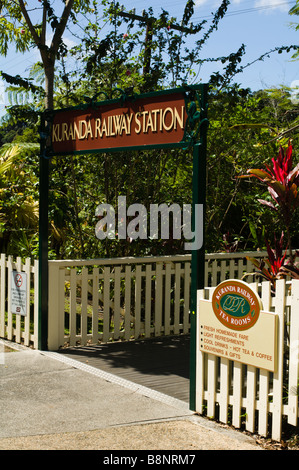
(18, 293)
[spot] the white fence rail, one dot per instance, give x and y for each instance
(135, 296)
(255, 395)
(222, 266)
(16, 327)
(107, 299)
(100, 300)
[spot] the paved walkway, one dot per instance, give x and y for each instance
(51, 401)
(161, 364)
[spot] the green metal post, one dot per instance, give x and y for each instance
(43, 245)
(198, 256)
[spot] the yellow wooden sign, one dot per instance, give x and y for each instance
(252, 341)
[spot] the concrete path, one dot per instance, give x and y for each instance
(51, 402)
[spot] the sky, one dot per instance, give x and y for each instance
(261, 25)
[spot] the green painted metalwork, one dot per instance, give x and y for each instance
(196, 126)
(192, 95)
(198, 256)
(43, 238)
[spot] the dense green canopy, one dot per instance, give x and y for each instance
(148, 53)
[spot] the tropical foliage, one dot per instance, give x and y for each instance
(144, 53)
(282, 180)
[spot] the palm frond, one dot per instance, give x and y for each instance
(10, 151)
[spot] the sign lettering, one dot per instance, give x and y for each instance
(18, 293)
(146, 121)
(236, 305)
(234, 326)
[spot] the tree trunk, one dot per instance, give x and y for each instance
(49, 83)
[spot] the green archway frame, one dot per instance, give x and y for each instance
(195, 136)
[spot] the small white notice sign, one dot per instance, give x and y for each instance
(19, 293)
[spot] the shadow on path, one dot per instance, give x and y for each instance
(159, 363)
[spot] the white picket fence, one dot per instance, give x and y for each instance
(14, 327)
(107, 299)
(244, 393)
(102, 299)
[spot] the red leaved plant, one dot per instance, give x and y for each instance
(283, 186)
(271, 268)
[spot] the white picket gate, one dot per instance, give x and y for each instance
(244, 393)
(108, 299)
(14, 327)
